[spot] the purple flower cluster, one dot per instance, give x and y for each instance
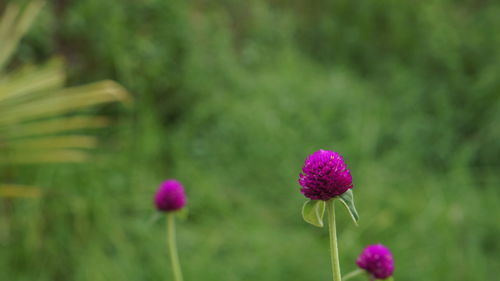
(325, 175)
(170, 196)
(377, 260)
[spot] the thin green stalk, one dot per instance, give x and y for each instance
(352, 274)
(172, 246)
(334, 251)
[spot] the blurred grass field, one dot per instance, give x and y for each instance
(230, 97)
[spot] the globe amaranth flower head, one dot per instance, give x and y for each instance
(377, 260)
(325, 175)
(170, 196)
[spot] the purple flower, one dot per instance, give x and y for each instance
(170, 196)
(377, 260)
(325, 175)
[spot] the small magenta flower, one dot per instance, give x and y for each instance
(377, 260)
(170, 196)
(325, 175)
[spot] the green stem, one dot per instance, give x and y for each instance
(172, 246)
(352, 274)
(334, 251)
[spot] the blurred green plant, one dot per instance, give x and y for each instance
(41, 121)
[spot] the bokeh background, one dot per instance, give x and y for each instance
(229, 98)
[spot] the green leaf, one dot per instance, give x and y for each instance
(348, 199)
(313, 211)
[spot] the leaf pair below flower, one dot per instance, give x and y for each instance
(313, 210)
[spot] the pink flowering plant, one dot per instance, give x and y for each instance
(377, 261)
(171, 198)
(325, 179)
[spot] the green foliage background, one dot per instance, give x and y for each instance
(230, 98)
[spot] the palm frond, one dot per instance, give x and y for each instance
(64, 101)
(30, 82)
(14, 24)
(42, 157)
(53, 126)
(13, 190)
(55, 142)
(40, 119)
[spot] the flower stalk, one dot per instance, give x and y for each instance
(353, 274)
(172, 246)
(334, 251)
